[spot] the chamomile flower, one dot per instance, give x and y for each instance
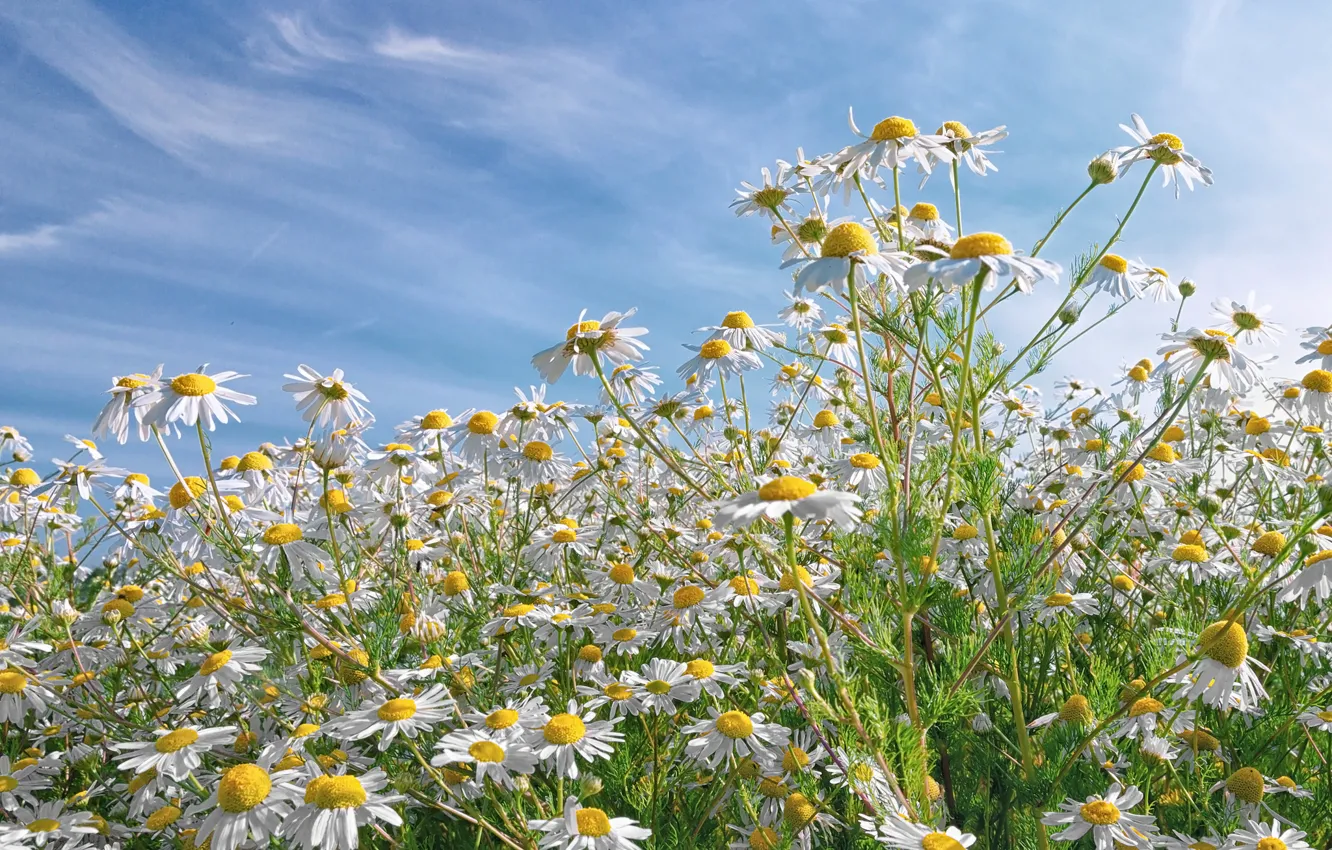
(1317, 718)
(567, 737)
(47, 823)
(587, 339)
(891, 144)
(772, 198)
(848, 251)
(801, 313)
(665, 685)
(337, 806)
(1123, 278)
(1060, 604)
(796, 496)
(491, 753)
(20, 692)
(1225, 671)
(194, 397)
(718, 356)
(220, 673)
(1318, 343)
(588, 828)
(114, 418)
(897, 831)
(1213, 351)
(987, 254)
(1105, 818)
(1166, 151)
(176, 752)
(407, 715)
(1261, 836)
(735, 733)
(863, 472)
(1246, 321)
(326, 400)
(248, 804)
(739, 330)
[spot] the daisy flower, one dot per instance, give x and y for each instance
(1248, 323)
(738, 329)
(1106, 819)
(796, 496)
(1225, 670)
(897, 831)
(47, 823)
(849, 250)
(1062, 604)
(566, 737)
(1122, 278)
(192, 398)
(713, 676)
(983, 253)
(399, 715)
(1167, 151)
(475, 436)
(220, 673)
(325, 400)
(335, 809)
(735, 733)
(1215, 352)
(114, 418)
(588, 829)
(665, 684)
(891, 143)
(801, 313)
(176, 752)
(966, 146)
(537, 463)
(1318, 342)
(718, 355)
(249, 803)
(862, 471)
(491, 753)
(1260, 836)
(18, 693)
(771, 198)
(589, 338)
(1315, 398)
(1318, 719)
(925, 218)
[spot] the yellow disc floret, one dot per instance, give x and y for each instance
(980, 245)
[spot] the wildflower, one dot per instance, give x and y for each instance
(326, 400)
(987, 254)
(1167, 151)
(194, 397)
(337, 806)
(1105, 818)
(248, 803)
(176, 752)
(588, 828)
(735, 733)
(408, 715)
(567, 737)
(796, 496)
(848, 251)
(588, 339)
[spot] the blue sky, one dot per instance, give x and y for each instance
(426, 193)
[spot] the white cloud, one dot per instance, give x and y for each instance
(45, 236)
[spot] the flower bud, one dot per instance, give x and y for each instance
(1104, 169)
(1187, 287)
(1069, 315)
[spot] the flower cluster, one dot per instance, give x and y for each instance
(864, 579)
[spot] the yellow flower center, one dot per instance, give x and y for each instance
(486, 751)
(162, 818)
(175, 741)
(1189, 552)
(1131, 474)
(798, 811)
(788, 579)
(519, 609)
(763, 838)
(538, 451)
(1165, 154)
(787, 488)
(658, 686)
(1247, 784)
(455, 583)
(687, 596)
(847, 238)
(1076, 710)
(623, 635)
(1059, 600)
(966, 532)
(436, 420)
(1270, 843)
(1115, 263)
(132, 382)
(340, 792)
(1325, 716)
(980, 245)
(501, 718)
(864, 460)
(43, 825)
(621, 573)
(700, 668)
(592, 822)
(483, 422)
(186, 491)
(7, 784)
(1145, 705)
(117, 610)
(735, 724)
(243, 787)
(1325, 347)
(794, 759)
(714, 349)
(1163, 452)
(397, 709)
(744, 586)
(1226, 642)
(214, 662)
(193, 384)
(282, 533)
(24, 478)
(1270, 543)
(925, 212)
(940, 841)
(737, 320)
(892, 128)
(582, 328)
(1100, 812)
(1200, 739)
(331, 601)
(590, 653)
(564, 729)
(1319, 380)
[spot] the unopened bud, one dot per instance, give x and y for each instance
(1104, 169)
(1069, 315)
(1187, 287)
